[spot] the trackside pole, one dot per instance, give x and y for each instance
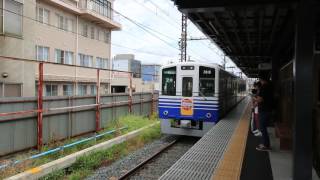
(130, 92)
(98, 101)
(40, 107)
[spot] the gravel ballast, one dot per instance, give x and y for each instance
(155, 168)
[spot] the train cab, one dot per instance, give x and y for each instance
(187, 102)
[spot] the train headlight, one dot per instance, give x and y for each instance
(208, 115)
(165, 112)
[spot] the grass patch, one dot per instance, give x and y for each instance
(131, 121)
(85, 165)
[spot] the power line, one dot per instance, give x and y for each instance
(152, 29)
(163, 11)
(147, 29)
(72, 32)
(144, 28)
(141, 51)
(156, 14)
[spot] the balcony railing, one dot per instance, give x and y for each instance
(99, 11)
(102, 7)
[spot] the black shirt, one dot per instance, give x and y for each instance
(266, 94)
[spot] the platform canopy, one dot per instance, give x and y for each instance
(250, 32)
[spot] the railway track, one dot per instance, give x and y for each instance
(157, 163)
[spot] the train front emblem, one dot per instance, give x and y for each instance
(186, 107)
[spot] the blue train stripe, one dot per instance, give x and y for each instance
(195, 108)
(205, 103)
(169, 107)
(210, 105)
(195, 104)
(205, 109)
(165, 103)
(178, 105)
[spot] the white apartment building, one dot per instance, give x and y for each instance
(120, 81)
(67, 32)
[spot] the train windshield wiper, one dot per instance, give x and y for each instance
(202, 95)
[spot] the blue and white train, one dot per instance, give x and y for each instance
(194, 96)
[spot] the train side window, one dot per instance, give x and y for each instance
(169, 81)
(187, 83)
(206, 81)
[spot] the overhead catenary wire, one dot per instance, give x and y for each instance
(153, 29)
(72, 32)
(165, 21)
(167, 17)
(147, 29)
(163, 11)
(143, 27)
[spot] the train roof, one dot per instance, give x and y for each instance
(213, 65)
(192, 63)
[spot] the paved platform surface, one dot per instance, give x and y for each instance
(202, 159)
(256, 164)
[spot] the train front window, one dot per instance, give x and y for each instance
(169, 81)
(187, 86)
(206, 81)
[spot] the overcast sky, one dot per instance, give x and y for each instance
(163, 21)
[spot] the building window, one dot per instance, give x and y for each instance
(63, 57)
(98, 35)
(10, 90)
(101, 63)
(93, 89)
(85, 60)
(92, 32)
(51, 90)
(67, 89)
(61, 23)
(43, 15)
(70, 23)
(82, 89)
(84, 30)
(107, 36)
(42, 53)
(1, 89)
(68, 57)
(13, 17)
(65, 23)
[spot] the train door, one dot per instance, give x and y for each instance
(187, 86)
(187, 93)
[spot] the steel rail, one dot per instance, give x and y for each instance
(139, 166)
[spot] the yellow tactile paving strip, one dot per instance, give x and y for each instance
(229, 167)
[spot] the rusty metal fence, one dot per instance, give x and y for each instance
(63, 117)
(31, 122)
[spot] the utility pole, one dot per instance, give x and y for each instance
(183, 40)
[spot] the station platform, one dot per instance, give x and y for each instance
(213, 153)
(228, 151)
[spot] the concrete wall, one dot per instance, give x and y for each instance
(23, 47)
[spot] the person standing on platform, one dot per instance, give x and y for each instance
(254, 115)
(264, 100)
